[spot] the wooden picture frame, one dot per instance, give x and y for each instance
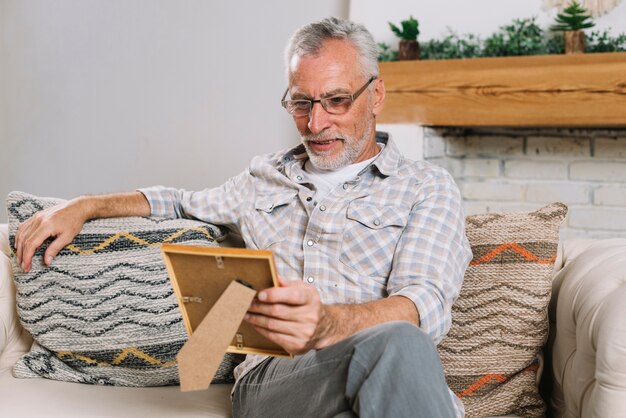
(200, 275)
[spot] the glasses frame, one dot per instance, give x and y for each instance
(324, 100)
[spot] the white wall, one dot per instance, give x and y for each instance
(481, 17)
(108, 95)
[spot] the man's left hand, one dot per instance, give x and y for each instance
(292, 316)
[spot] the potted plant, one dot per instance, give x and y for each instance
(572, 21)
(408, 48)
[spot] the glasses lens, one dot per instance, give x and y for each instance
(298, 107)
(337, 105)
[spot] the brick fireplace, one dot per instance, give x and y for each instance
(578, 157)
(517, 169)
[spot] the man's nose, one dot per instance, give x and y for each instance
(319, 119)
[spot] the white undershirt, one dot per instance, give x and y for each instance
(325, 180)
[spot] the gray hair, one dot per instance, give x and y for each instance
(309, 39)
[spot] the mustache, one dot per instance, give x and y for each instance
(323, 136)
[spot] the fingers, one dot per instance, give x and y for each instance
(294, 336)
(290, 343)
(292, 292)
(287, 315)
(58, 222)
(55, 246)
(31, 235)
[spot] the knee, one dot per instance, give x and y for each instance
(404, 342)
(406, 337)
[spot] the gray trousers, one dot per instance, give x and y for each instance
(390, 370)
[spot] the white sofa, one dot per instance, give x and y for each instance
(588, 353)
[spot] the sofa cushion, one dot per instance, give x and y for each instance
(104, 312)
(499, 322)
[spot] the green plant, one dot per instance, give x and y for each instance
(410, 29)
(385, 53)
(452, 46)
(574, 17)
(555, 43)
(521, 37)
(603, 42)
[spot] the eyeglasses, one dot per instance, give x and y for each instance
(335, 105)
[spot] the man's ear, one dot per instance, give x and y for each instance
(379, 96)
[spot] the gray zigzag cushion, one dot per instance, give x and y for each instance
(104, 312)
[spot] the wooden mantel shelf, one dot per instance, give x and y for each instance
(551, 90)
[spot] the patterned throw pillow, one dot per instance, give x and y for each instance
(104, 312)
(500, 322)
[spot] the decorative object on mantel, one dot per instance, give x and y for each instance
(522, 37)
(572, 22)
(595, 7)
(409, 48)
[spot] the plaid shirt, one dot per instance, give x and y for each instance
(395, 229)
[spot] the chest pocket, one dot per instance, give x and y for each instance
(273, 215)
(371, 235)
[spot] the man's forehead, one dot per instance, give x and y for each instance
(329, 70)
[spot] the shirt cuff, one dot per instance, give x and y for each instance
(432, 319)
(162, 201)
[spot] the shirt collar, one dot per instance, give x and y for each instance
(387, 162)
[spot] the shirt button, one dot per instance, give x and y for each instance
(310, 243)
(310, 279)
(298, 178)
(308, 199)
(322, 208)
(376, 222)
(345, 186)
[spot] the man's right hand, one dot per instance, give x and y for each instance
(61, 223)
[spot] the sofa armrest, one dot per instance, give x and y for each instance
(589, 352)
(14, 340)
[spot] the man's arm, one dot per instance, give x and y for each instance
(294, 317)
(63, 222)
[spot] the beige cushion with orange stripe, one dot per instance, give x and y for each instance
(499, 322)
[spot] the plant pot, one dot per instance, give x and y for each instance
(408, 50)
(574, 42)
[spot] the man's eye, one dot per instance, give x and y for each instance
(300, 104)
(338, 100)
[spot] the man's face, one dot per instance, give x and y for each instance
(334, 141)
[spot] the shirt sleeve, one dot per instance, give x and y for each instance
(432, 254)
(220, 205)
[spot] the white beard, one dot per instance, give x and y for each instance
(352, 148)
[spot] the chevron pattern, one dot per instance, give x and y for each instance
(499, 321)
(105, 312)
(120, 358)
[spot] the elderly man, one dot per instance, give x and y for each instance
(370, 246)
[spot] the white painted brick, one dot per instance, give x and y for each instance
(488, 167)
(434, 146)
(610, 147)
(493, 146)
(474, 207)
(610, 196)
(473, 190)
(528, 169)
(456, 146)
(572, 233)
(453, 166)
(564, 146)
(597, 234)
(568, 193)
(612, 219)
(598, 170)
